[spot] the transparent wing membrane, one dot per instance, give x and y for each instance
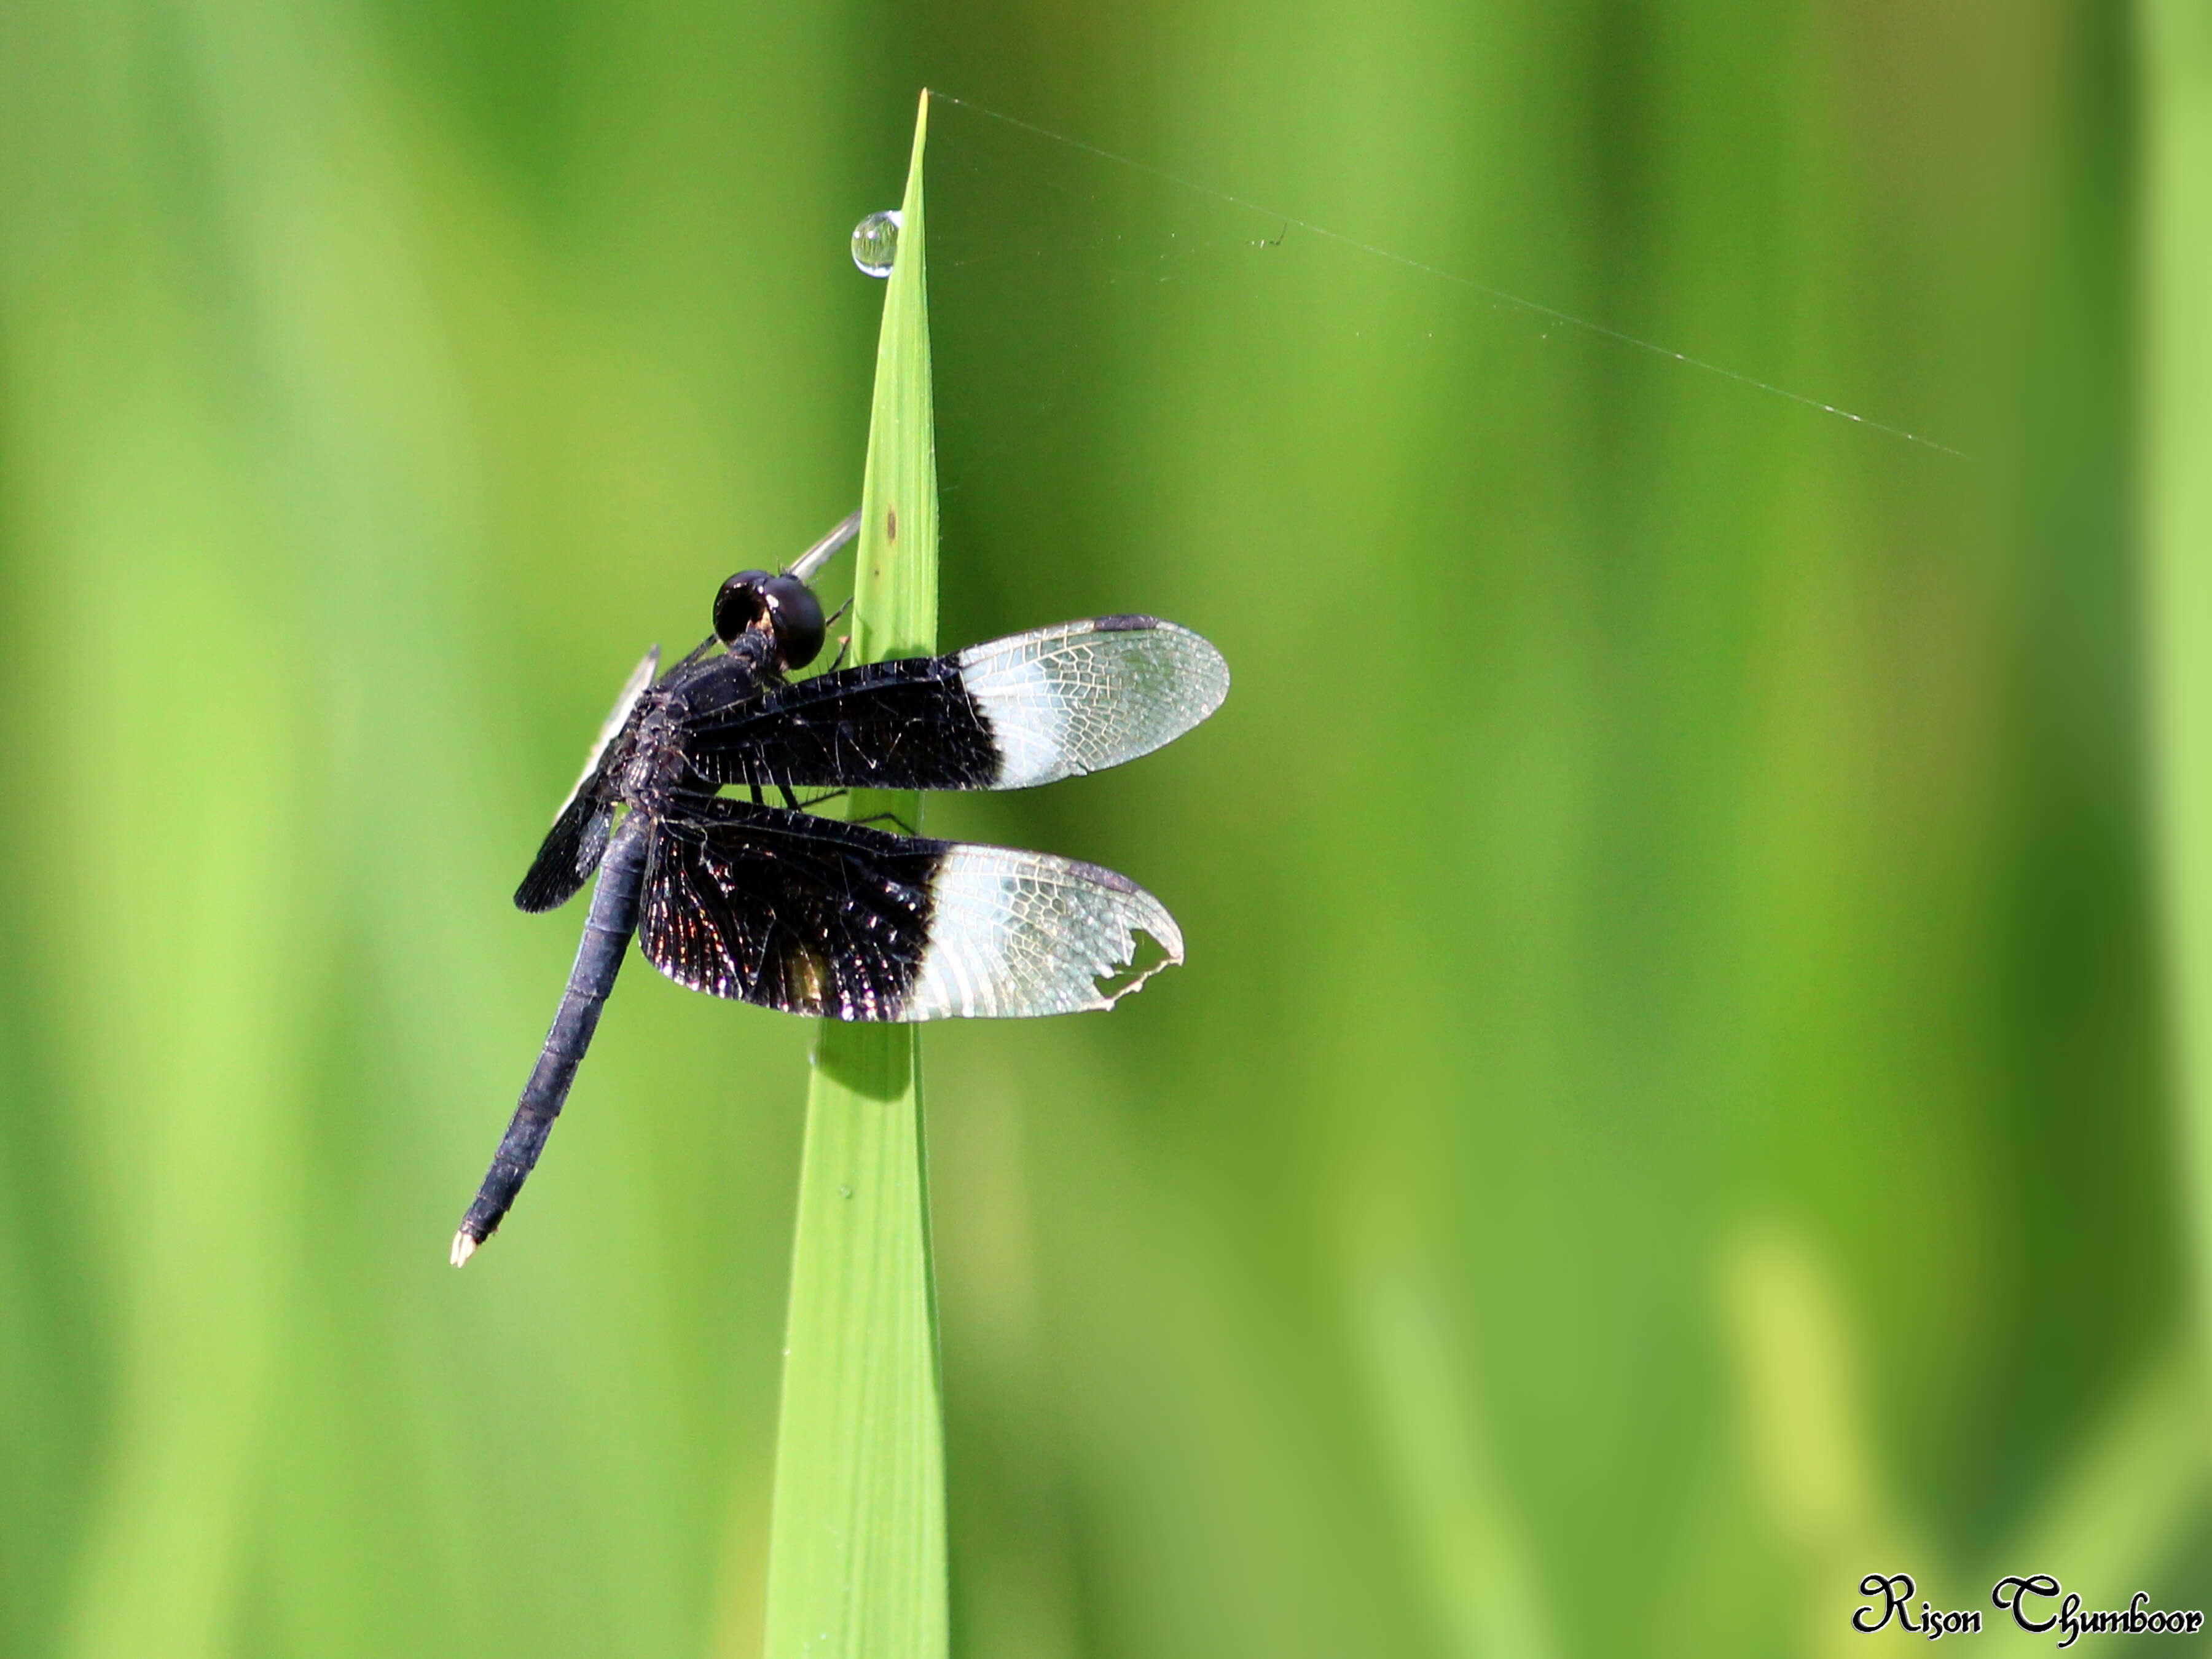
(1085, 695)
(1014, 934)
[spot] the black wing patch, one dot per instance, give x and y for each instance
(812, 916)
(573, 846)
(904, 724)
(786, 910)
(570, 852)
(1027, 709)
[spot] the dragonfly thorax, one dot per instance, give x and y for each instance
(656, 765)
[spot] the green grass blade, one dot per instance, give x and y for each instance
(2178, 72)
(856, 1557)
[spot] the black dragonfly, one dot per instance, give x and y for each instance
(766, 903)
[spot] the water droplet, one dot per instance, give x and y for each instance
(875, 242)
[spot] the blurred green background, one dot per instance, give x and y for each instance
(1674, 1104)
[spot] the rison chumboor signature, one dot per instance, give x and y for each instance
(2026, 1597)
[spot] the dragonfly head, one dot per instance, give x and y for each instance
(782, 606)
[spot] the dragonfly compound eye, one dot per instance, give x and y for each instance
(796, 615)
(740, 605)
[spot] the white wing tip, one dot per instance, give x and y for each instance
(1017, 934)
(1141, 914)
(1083, 696)
(1159, 927)
(1203, 667)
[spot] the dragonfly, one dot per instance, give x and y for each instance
(751, 896)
